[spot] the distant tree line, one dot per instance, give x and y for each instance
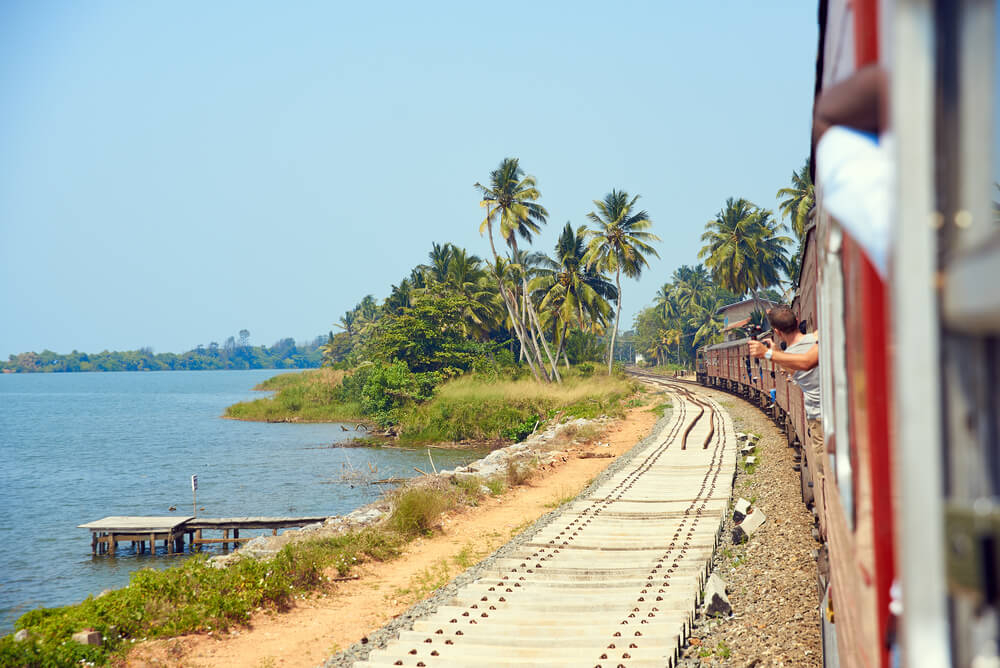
(235, 353)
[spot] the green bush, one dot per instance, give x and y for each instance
(193, 596)
(519, 432)
(416, 509)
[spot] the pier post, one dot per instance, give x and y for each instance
(112, 545)
(198, 538)
(225, 536)
(93, 543)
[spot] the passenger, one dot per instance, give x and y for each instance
(801, 355)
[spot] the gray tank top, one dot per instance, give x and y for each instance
(807, 380)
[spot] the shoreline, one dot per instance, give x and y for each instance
(541, 447)
(325, 623)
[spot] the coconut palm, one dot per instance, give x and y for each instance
(744, 248)
(619, 244)
(510, 201)
(772, 250)
(346, 323)
(440, 257)
(400, 297)
(568, 290)
(327, 350)
(799, 199)
(692, 286)
(707, 323)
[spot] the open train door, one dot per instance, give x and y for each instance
(945, 295)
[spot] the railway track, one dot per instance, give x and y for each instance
(614, 580)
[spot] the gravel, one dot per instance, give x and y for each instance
(443, 596)
(771, 579)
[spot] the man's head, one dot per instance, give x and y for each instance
(784, 322)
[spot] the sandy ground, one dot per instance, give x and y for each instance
(322, 625)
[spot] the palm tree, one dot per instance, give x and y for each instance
(772, 250)
(707, 322)
(672, 336)
(799, 199)
(327, 350)
(510, 199)
(743, 248)
(366, 314)
(400, 297)
(568, 289)
(692, 286)
(467, 277)
(619, 244)
(346, 323)
(440, 257)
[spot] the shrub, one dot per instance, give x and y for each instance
(522, 430)
(193, 596)
(518, 473)
(416, 509)
(586, 369)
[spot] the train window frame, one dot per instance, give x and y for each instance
(833, 397)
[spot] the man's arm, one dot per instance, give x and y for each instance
(795, 361)
(859, 102)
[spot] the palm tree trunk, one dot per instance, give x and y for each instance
(534, 325)
(530, 308)
(519, 331)
(618, 314)
(508, 299)
(562, 345)
(529, 333)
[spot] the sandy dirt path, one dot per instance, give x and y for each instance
(322, 625)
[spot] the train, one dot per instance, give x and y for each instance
(907, 500)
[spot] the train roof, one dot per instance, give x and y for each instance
(727, 344)
(732, 344)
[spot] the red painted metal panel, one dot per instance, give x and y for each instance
(868, 389)
(865, 32)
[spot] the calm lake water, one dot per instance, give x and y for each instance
(79, 447)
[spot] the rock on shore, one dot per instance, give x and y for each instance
(540, 449)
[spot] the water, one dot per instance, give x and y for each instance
(79, 447)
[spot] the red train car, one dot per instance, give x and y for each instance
(907, 491)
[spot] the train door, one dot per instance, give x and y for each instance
(948, 370)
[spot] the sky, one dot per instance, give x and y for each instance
(172, 173)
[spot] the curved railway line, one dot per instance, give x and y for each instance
(612, 581)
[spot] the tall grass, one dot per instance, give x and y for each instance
(193, 596)
(307, 396)
(472, 408)
(330, 377)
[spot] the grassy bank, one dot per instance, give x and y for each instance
(197, 597)
(472, 408)
(468, 408)
(307, 396)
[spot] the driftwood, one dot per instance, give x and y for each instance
(388, 481)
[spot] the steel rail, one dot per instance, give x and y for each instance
(613, 580)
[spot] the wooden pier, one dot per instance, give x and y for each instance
(108, 533)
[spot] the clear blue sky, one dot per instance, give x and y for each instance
(173, 172)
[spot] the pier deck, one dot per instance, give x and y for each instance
(109, 532)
